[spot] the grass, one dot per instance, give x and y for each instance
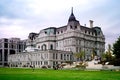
(45, 74)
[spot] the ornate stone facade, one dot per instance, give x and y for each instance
(40, 58)
(72, 37)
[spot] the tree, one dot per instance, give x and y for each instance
(116, 48)
(108, 56)
(79, 55)
(109, 53)
(93, 54)
(103, 57)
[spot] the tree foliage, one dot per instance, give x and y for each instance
(80, 55)
(93, 54)
(116, 48)
(109, 54)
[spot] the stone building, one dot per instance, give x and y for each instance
(73, 37)
(40, 58)
(10, 46)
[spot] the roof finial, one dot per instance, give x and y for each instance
(72, 10)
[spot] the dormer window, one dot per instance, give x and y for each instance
(61, 31)
(70, 27)
(75, 27)
(98, 33)
(85, 32)
(89, 32)
(45, 32)
(58, 32)
(92, 33)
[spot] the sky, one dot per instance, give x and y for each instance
(20, 17)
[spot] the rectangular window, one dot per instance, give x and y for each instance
(19, 46)
(53, 62)
(53, 55)
(12, 51)
(56, 56)
(1, 55)
(38, 62)
(77, 49)
(46, 63)
(56, 44)
(41, 62)
(6, 55)
(70, 57)
(0, 45)
(6, 45)
(61, 56)
(64, 56)
(67, 57)
(56, 62)
(6, 40)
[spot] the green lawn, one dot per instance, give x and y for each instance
(45, 74)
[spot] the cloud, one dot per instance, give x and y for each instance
(15, 28)
(20, 17)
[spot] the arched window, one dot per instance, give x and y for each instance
(43, 47)
(51, 47)
(75, 27)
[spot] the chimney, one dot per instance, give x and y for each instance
(91, 23)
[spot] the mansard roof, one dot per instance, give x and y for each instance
(87, 28)
(95, 30)
(63, 28)
(50, 28)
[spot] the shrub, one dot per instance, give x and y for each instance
(80, 66)
(49, 66)
(116, 62)
(44, 67)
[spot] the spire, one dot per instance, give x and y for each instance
(72, 17)
(72, 10)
